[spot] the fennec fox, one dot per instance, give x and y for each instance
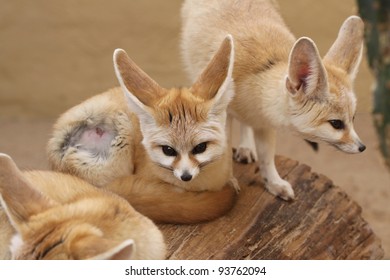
(279, 81)
(59, 216)
(163, 150)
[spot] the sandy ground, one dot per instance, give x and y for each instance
(53, 56)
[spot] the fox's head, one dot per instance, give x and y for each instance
(46, 229)
(322, 104)
(183, 128)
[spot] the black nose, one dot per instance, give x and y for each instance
(186, 176)
(362, 147)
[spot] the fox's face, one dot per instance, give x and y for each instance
(184, 136)
(183, 128)
(322, 104)
(330, 119)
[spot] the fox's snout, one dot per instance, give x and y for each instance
(351, 143)
(351, 148)
(355, 148)
(185, 175)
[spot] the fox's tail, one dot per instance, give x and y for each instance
(166, 204)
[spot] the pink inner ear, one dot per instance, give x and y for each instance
(303, 74)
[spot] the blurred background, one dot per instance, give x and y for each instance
(55, 54)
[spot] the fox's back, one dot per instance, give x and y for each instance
(260, 34)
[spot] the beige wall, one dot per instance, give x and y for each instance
(53, 53)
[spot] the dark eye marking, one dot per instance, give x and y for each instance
(168, 151)
(337, 124)
(200, 148)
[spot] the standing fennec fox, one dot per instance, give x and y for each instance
(59, 216)
(279, 81)
(163, 150)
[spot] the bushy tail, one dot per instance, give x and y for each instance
(166, 204)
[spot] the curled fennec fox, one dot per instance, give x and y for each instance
(279, 81)
(163, 150)
(59, 216)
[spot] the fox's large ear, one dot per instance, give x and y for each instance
(141, 91)
(19, 199)
(121, 251)
(215, 82)
(306, 73)
(346, 52)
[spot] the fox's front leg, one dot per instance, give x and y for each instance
(246, 149)
(265, 140)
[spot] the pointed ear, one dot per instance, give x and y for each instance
(98, 248)
(18, 197)
(140, 90)
(216, 80)
(123, 251)
(306, 73)
(346, 52)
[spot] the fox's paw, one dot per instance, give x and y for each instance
(243, 155)
(281, 188)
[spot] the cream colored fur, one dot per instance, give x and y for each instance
(279, 81)
(119, 141)
(58, 216)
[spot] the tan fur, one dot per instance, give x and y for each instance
(129, 164)
(175, 206)
(59, 216)
(279, 81)
(6, 233)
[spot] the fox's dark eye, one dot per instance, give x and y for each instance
(337, 124)
(168, 151)
(200, 148)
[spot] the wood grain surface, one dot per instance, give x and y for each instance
(321, 223)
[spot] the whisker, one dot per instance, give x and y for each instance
(203, 164)
(164, 166)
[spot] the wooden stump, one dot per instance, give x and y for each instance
(322, 223)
